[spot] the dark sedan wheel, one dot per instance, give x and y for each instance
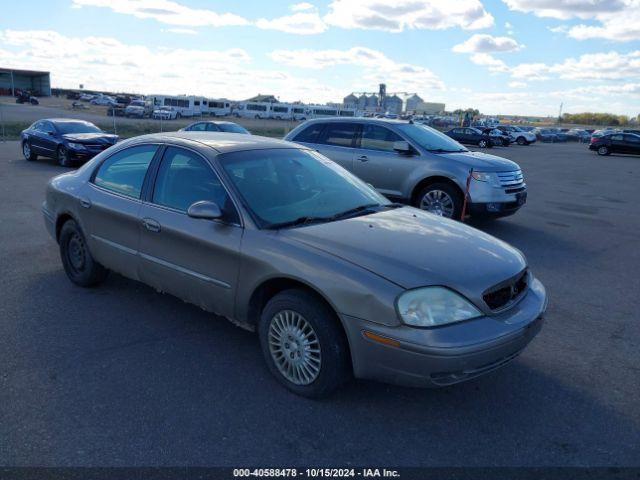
(441, 199)
(522, 141)
(603, 150)
(62, 156)
(28, 152)
(78, 263)
(483, 143)
(303, 344)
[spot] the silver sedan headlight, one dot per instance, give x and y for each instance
(433, 306)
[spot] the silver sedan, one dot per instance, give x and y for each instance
(336, 280)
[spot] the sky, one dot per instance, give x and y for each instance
(522, 57)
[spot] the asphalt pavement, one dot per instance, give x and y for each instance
(121, 375)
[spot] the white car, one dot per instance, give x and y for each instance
(165, 113)
(104, 100)
(518, 135)
(138, 108)
(86, 97)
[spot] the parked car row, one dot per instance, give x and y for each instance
(487, 137)
(337, 280)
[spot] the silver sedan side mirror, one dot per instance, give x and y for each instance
(205, 210)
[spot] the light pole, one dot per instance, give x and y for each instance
(113, 114)
(2, 122)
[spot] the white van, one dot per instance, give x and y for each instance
(281, 111)
(185, 106)
(254, 110)
(217, 107)
(322, 111)
(289, 111)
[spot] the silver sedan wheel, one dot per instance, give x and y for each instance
(438, 202)
(294, 347)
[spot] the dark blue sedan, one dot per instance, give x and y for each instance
(66, 140)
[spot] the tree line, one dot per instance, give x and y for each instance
(592, 118)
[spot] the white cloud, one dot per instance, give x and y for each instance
(103, 63)
(596, 98)
(600, 66)
(378, 68)
(300, 7)
(618, 20)
(509, 28)
(530, 71)
(559, 29)
(517, 84)
(303, 23)
(593, 66)
(398, 15)
(566, 9)
(166, 11)
(482, 43)
(183, 31)
(494, 65)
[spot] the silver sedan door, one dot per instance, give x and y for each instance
(377, 163)
(337, 142)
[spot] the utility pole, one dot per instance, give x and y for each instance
(560, 113)
(2, 123)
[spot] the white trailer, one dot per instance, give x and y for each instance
(185, 106)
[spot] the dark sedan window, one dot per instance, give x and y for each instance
(375, 137)
(309, 134)
(185, 178)
(198, 127)
(632, 138)
(339, 134)
(47, 128)
(124, 172)
(616, 137)
(232, 128)
(78, 127)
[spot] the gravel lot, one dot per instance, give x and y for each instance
(123, 376)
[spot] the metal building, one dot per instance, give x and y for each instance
(350, 101)
(412, 102)
(393, 104)
(12, 80)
